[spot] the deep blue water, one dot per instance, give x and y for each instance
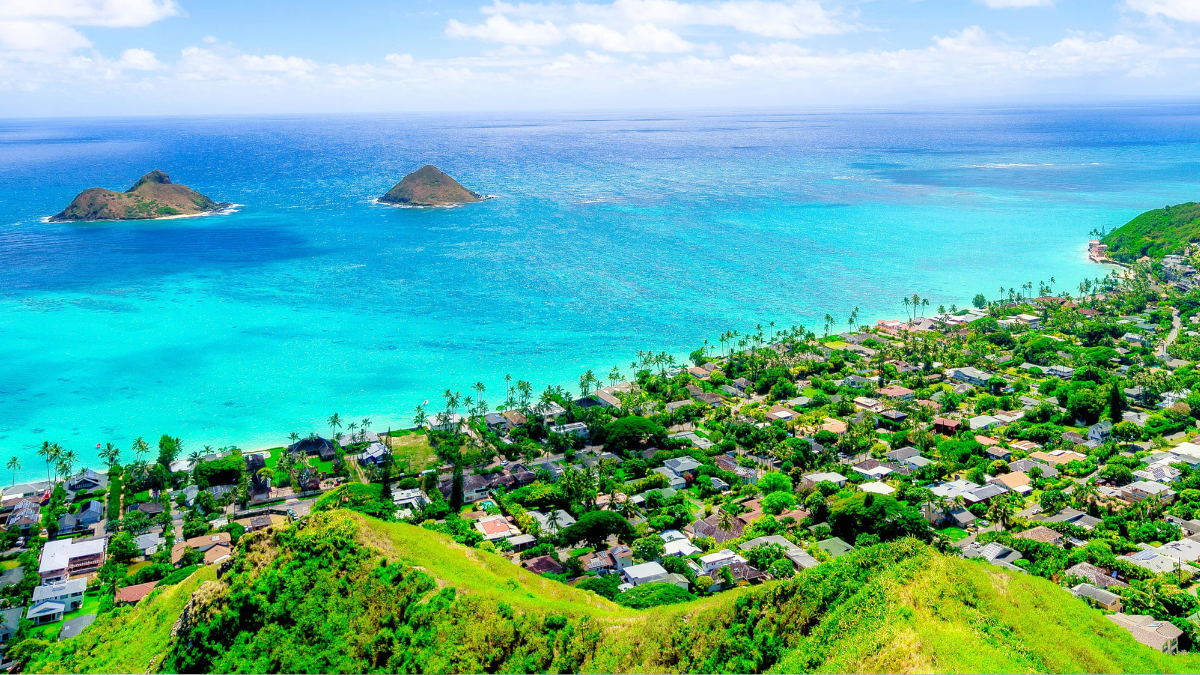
(608, 234)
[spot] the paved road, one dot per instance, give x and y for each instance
(1176, 324)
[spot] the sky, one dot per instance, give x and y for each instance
(138, 57)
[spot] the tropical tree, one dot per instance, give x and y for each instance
(725, 521)
(335, 423)
(140, 447)
(46, 451)
(111, 455)
(14, 463)
(294, 438)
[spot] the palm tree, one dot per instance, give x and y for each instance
(14, 463)
(552, 521)
(45, 452)
(111, 455)
(1000, 510)
(725, 521)
(194, 458)
(335, 423)
(294, 438)
(56, 453)
(140, 447)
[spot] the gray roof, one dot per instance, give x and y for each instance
(75, 626)
(10, 618)
(903, 453)
(1098, 594)
(835, 547)
(59, 589)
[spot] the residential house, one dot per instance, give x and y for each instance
(24, 515)
(1104, 599)
(86, 480)
(1026, 465)
(644, 573)
(1158, 635)
(10, 620)
(496, 527)
(73, 627)
(828, 476)
(90, 513)
(131, 595)
(742, 383)
(835, 547)
(1017, 482)
(1061, 372)
(917, 463)
(63, 559)
(981, 422)
(147, 544)
(543, 564)
(1095, 575)
(896, 393)
(514, 418)
(799, 557)
(972, 376)
(892, 419)
(315, 445)
(413, 501)
(375, 453)
(877, 488)
(1058, 457)
(710, 527)
(1100, 431)
(51, 601)
(561, 520)
(994, 553)
(259, 523)
(1139, 490)
(1041, 533)
(747, 475)
(682, 465)
(945, 426)
(579, 429)
(714, 561)
(1151, 560)
(902, 454)
(204, 543)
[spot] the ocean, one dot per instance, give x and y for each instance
(607, 234)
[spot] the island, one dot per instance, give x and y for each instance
(153, 196)
(429, 186)
(1155, 233)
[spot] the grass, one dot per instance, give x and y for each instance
(10, 564)
(413, 449)
(477, 572)
(582, 551)
(50, 631)
(954, 533)
(316, 464)
(126, 640)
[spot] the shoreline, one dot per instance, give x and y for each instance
(229, 209)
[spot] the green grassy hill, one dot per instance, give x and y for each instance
(345, 593)
(1155, 233)
(127, 640)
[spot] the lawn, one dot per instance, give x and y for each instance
(316, 464)
(414, 451)
(91, 603)
(953, 533)
(10, 564)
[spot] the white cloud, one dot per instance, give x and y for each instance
(498, 28)
(1181, 10)
(199, 63)
(139, 59)
(790, 19)
(109, 13)
(642, 37)
(33, 39)
(1017, 4)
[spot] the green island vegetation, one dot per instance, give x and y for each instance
(341, 592)
(1155, 233)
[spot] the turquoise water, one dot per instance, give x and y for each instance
(608, 234)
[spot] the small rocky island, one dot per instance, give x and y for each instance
(428, 186)
(153, 196)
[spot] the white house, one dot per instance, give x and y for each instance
(722, 558)
(644, 574)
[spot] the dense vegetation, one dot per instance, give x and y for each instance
(340, 592)
(1155, 233)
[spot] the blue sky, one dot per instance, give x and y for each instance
(80, 57)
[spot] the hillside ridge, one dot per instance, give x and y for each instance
(342, 592)
(1155, 233)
